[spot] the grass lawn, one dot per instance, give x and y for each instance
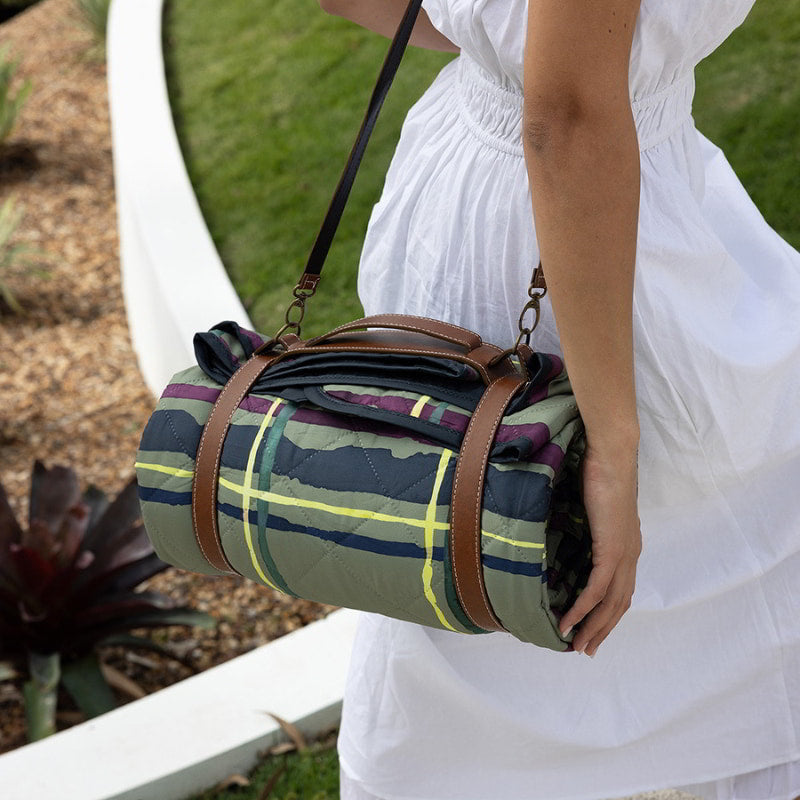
(268, 95)
(748, 103)
(310, 775)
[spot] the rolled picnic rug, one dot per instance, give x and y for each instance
(336, 477)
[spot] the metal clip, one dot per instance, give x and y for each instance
(301, 292)
(537, 289)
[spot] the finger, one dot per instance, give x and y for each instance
(604, 617)
(599, 638)
(596, 588)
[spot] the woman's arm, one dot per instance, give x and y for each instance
(383, 16)
(582, 155)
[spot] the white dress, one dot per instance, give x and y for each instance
(700, 681)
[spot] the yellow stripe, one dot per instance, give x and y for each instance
(430, 519)
(360, 513)
(272, 497)
(247, 493)
(419, 405)
(535, 545)
(181, 473)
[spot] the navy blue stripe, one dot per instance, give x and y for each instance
(514, 494)
(402, 549)
(357, 542)
(514, 567)
(148, 495)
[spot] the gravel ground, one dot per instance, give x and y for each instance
(71, 388)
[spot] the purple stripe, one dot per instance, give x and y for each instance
(189, 391)
(254, 338)
(545, 453)
(403, 405)
(551, 455)
(537, 432)
(540, 394)
(388, 402)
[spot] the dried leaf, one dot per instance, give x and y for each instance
(119, 680)
(7, 671)
(70, 717)
(291, 731)
(283, 747)
(233, 780)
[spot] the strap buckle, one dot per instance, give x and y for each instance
(537, 289)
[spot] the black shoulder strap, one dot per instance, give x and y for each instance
(322, 245)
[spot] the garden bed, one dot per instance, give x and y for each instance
(71, 388)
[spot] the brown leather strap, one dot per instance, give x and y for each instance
(209, 455)
(467, 501)
(406, 322)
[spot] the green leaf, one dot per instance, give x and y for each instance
(175, 616)
(41, 694)
(84, 681)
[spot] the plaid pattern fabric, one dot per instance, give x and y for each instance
(340, 491)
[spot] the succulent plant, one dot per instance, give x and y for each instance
(67, 588)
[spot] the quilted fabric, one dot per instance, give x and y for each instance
(336, 478)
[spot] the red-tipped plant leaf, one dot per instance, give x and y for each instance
(41, 538)
(53, 492)
(70, 535)
(130, 545)
(10, 530)
(97, 503)
(34, 572)
(126, 577)
(123, 513)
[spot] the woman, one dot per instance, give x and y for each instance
(570, 139)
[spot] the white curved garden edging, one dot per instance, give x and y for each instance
(189, 736)
(173, 281)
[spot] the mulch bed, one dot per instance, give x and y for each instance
(71, 389)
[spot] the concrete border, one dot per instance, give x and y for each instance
(189, 736)
(173, 281)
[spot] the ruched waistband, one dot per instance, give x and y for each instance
(493, 111)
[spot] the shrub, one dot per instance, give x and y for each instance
(94, 15)
(10, 106)
(13, 256)
(67, 589)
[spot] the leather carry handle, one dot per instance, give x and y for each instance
(405, 322)
(489, 361)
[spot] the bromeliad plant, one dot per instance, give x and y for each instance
(67, 588)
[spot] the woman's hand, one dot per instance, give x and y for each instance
(609, 485)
